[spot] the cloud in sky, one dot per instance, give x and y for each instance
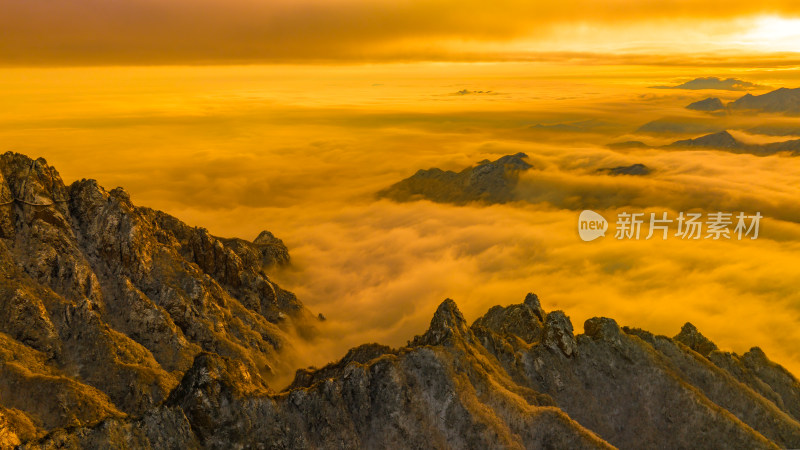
(239, 150)
(42, 32)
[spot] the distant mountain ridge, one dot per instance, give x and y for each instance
(725, 141)
(783, 100)
(637, 169)
(728, 84)
(722, 140)
(709, 104)
(488, 181)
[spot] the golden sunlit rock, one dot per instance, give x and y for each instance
(634, 163)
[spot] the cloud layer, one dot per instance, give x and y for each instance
(238, 150)
(81, 32)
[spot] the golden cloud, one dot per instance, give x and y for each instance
(95, 32)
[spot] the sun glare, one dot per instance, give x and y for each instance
(775, 33)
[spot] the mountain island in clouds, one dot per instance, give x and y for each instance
(333, 215)
(709, 104)
(488, 181)
(727, 84)
(165, 336)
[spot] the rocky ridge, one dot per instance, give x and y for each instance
(709, 104)
(518, 377)
(106, 304)
(783, 100)
(727, 84)
(725, 141)
(125, 328)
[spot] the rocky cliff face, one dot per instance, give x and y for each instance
(124, 328)
(105, 305)
(518, 377)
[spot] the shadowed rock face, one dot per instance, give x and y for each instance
(783, 100)
(518, 377)
(721, 140)
(709, 104)
(725, 141)
(105, 304)
(124, 328)
(489, 182)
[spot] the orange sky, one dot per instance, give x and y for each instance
(92, 32)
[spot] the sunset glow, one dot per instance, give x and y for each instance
(293, 116)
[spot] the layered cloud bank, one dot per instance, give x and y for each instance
(242, 150)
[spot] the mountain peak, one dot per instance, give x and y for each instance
(709, 104)
(782, 100)
(695, 340)
(720, 140)
(532, 302)
(525, 320)
(121, 298)
(487, 181)
(558, 334)
(447, 323)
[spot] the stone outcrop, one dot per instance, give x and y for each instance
(106, 304)
(494, 384)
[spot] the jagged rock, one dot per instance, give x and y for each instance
(447, 324)
(489, 182)
(633, 389)
(525, 320)
(421, 397)
(695, 340)
(603, 328)
(361, 354)
(558, 333)
(117, 300)
(532, 302)
(628, 387)
(122, 327)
